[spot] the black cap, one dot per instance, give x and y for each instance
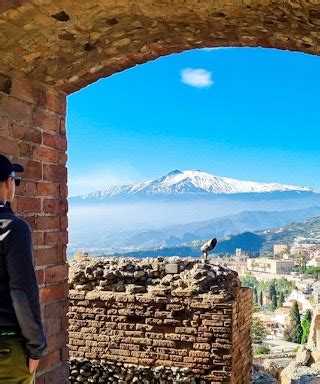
(6, 168)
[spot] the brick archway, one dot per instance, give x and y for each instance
(50, 48)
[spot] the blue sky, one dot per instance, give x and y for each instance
(246, 113)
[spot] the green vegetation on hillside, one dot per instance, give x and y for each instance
(294, 331)
(276, 290)
(309, 229)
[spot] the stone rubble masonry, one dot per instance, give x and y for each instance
(202, 332)
(32, 132)
(70, 44)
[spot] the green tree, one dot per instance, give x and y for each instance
(281, 300)
(272, 290)
(303, 262)
(294, 332)
(306, 323)
(258, 330)
(284, 285)
(261, 299)
(255, 295)
(274, 304)
(248, 280)
(262, 350)
(314, 271)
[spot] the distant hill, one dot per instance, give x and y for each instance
(248, 241)
(248, 221)
(308, 229)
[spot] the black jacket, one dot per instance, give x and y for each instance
(19, 294)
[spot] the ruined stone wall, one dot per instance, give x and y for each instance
(206, 334)
(32, 132)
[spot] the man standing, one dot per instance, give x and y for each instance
(22, 341)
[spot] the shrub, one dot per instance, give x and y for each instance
(262, 350)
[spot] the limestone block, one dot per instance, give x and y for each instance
(172, 268)
(303, 357)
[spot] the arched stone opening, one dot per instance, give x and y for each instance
(51, 48)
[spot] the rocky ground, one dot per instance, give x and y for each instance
(304, 369)
(91, 371)
(157, 276)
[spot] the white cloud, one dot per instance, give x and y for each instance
(199, 78)
(101, 178)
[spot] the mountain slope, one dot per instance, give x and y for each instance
(308, 231)
(189, 183)
(219, 227)
(247, 241)
(259, 241)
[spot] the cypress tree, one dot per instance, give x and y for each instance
(281, 300)
(296, 334)
(272, 290)
(255, 295)
(308, 315)
(306, 323)
(274, 303)
(261, 299)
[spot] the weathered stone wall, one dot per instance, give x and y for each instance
(70, 44)
(207, 333)
(32, 132)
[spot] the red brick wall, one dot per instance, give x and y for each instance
(32, 132)
(208, 333)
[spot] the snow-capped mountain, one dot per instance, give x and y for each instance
(191, 183)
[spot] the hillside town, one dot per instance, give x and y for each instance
(283, 282)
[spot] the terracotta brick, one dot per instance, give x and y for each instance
(55, 173)
(49, 155)
(63, 222)
(48, 189)
(23, 89)
(25, 150)
(15, 109)
(40, 273)
(26, 133)
(28, 204)
(63, 126)
(49, 255)
(53, 293)
(32, 169)
(63, 190)
(56, 273)
(47, 222)
(5, 129)
(27, 188)
(37, 238)
(8, 146)
(55, 141)
(55, 206)
(60, 237)
(46, 120)
(56, 102)
(31, 221)
(56, 309)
